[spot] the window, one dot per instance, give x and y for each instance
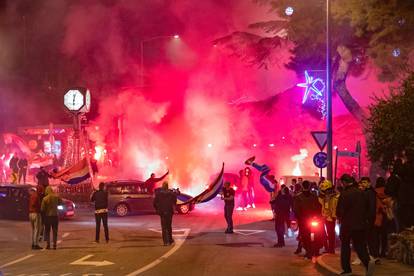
(115, 190)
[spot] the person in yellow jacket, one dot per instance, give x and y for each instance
(49, 207)
(328, 198)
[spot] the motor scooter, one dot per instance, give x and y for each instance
(317, 229)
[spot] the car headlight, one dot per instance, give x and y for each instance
(60, 207)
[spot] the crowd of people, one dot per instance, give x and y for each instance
(366, 213)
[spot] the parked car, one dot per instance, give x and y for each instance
(14, 203)
(128, 196)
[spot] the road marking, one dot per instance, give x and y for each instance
(17, 261)
(82, 261)
(246, 232)
(180, 239)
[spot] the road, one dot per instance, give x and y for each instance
(136, 248)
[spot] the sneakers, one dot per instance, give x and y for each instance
(279, 245)
(346, 273)
(253, 206)
(297, 252)
(36, 247)
(239, 209)
(371, 268)
(250, 160)
(357, 261)
(248, 206)
(229, 232)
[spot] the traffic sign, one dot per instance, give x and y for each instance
(320, 137)
(319, 159)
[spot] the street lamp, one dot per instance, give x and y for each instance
(176, 36)
(328, 93)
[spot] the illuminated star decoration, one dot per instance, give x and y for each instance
(314, 89)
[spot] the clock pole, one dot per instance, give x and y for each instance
(77, 100)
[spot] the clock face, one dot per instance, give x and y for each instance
(73, 100)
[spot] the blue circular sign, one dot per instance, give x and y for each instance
(320, 159)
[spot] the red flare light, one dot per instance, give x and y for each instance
(314, 223)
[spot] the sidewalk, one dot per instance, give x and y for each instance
(331, 263)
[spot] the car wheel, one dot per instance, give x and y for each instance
(184, 209)
(121, 210)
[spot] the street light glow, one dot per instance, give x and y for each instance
(396, 52)
(289, 11)
(176, 36)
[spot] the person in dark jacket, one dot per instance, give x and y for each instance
(227, 194)
(22, 164)
(406, 196)
(306, 206)
(282, 206)
(14, 167)
(353, 214)
(392, 189)
(365, 186)
(43, 177)
(100, 198)
(149, 184)
(164, 204)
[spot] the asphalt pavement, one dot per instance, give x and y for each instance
(135, 247)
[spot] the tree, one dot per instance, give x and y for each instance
(363, 32)
(391, 125)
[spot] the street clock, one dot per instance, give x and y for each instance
(77, 99)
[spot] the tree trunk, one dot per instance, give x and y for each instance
(340, 73)
(339, 83)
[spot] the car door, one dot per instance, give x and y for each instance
(130, 196)
(21, 202)
(146, 201)
(4, 202)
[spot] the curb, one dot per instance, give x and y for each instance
(320, 263)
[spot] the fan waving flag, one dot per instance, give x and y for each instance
(210, 193)
(74, 174)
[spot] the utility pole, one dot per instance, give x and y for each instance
(328, 92)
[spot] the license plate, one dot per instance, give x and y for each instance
(70, 213)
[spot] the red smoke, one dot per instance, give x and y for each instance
(190, 116)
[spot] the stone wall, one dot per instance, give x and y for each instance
(401, 246)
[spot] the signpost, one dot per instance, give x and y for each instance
(321, 138)
(352, 154)
(320, 159)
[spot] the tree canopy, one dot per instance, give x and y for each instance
(371, 30)
(391, 125)
(374, 29)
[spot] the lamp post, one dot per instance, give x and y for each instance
(142, 51)
(328, 93)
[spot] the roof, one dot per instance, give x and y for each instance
(124, 181)
(9, 185)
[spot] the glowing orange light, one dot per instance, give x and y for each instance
(314, 223)
(99, 152)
